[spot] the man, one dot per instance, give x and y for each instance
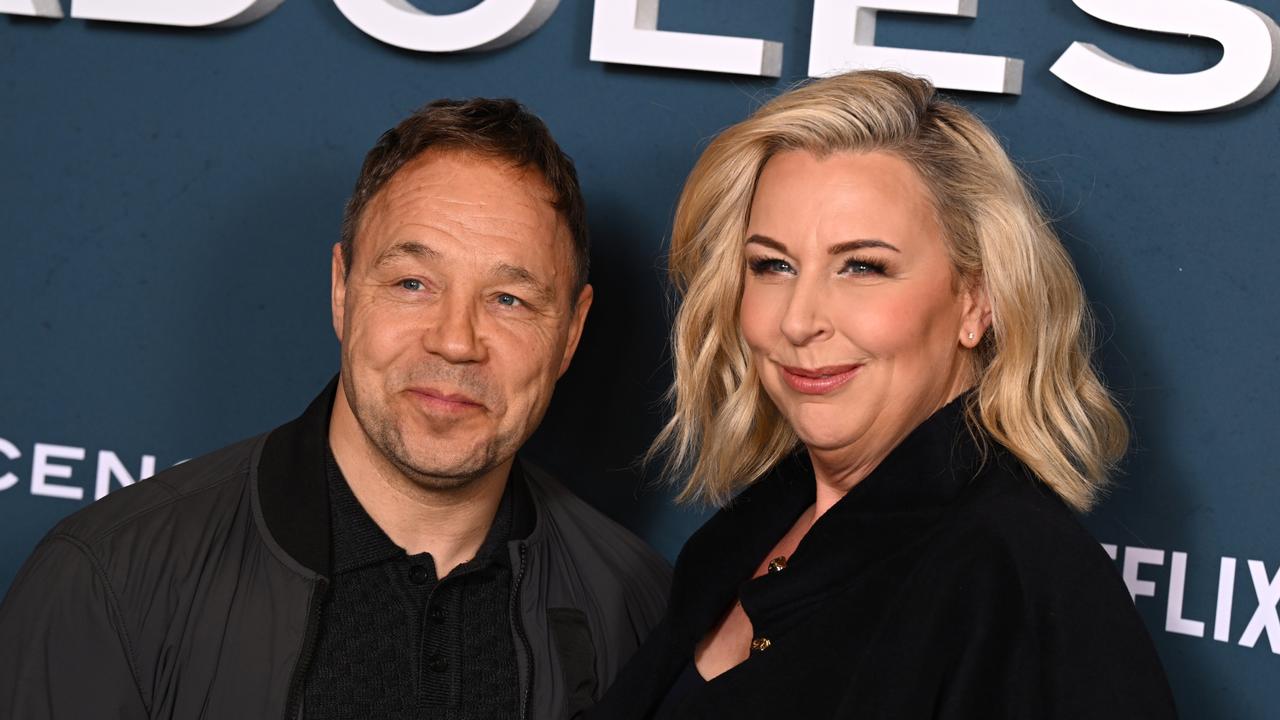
(385, 555)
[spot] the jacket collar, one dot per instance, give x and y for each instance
(906, 493)
(291, 488)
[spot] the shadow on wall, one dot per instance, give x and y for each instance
(608, 406)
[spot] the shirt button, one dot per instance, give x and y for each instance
(418, 575)
(761, 644)
(437, 615)
(438, 664)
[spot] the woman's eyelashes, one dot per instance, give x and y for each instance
(769, 266)
(854, 266)
(864, 266)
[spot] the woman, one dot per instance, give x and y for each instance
(883, 375)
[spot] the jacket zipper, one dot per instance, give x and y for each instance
(520, 632)
(297, 684)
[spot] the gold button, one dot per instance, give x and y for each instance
(778, 564)
(760, 644)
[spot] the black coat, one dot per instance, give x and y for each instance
(949, 583)
(196, 593)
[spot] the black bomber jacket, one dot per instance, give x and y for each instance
(196, 593)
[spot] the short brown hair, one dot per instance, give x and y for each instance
(498, 128)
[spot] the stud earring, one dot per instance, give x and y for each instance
(970, 336)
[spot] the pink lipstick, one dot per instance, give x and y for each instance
(818, 381)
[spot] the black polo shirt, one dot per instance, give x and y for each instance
(396, 641)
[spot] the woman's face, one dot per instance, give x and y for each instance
(854, 315)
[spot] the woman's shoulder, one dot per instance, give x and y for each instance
(1008, 520)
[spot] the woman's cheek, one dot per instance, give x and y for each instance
(883, 321)
(760, 314)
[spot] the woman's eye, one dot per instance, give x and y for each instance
(411, 284)
(760, 266)
(864, 267)
(509, 300)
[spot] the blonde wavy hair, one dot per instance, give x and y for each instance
(1037, 393)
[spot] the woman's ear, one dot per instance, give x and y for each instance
(975, 319)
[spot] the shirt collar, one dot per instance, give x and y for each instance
(359, 542)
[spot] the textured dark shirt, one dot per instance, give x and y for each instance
(396, 641)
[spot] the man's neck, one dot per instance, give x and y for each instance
(451, 525)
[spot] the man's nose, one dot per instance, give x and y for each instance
(807, 316)
(456, 335)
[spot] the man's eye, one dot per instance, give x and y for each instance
(509, 300)
(411, 284)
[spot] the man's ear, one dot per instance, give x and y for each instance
(338, 290)
(580, 308)
(975, 320)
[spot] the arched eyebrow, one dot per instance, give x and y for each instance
(844, 247)
(767, 241)
(837, 249)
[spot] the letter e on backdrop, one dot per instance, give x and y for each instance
(626, 32)
(844, 38)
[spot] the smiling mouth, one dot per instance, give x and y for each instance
(818, 381)
(447, 402)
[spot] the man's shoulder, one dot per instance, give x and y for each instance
(190, 492)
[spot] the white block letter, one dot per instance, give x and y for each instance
(31, 8)
(109, 466)
(626, 31)
(10, 451)
(1265, 617)
(1134, 559)
(1173, 620)
(844, 38)
(42, 469)
(1249, 69)
(1111, 550)
(181, 13)
(1226, 596)
(491, 24)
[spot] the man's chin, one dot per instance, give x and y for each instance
(445, 468)
(442, 483)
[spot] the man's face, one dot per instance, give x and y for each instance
(458, 315)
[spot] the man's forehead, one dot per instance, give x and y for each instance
(466, 193)
(461, 187)
(450, 171)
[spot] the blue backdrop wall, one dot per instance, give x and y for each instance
(168, 198)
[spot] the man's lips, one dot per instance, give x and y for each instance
(818, 381)
(444, 400)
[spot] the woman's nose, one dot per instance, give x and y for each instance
(807, 318)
